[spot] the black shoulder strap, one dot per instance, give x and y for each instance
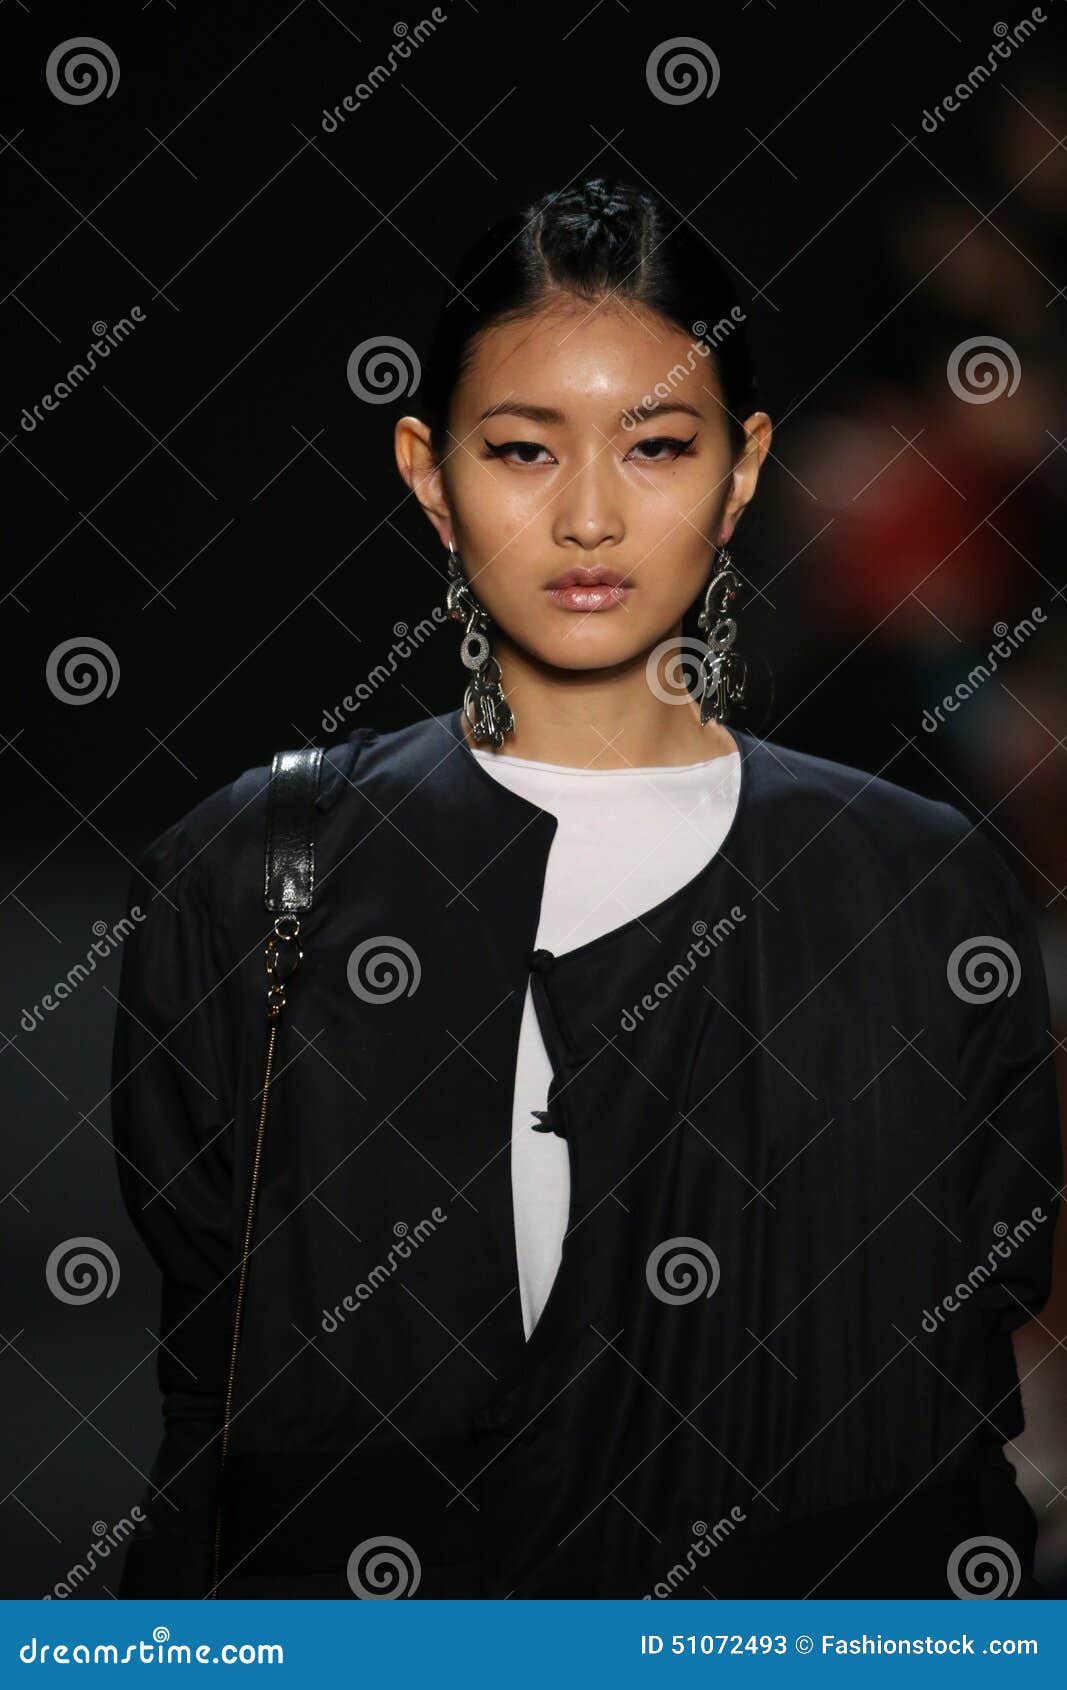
(289, 878)
(288, 885)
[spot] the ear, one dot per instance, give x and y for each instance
(758, 431)
(422, 473)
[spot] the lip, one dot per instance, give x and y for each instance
(595, 575)
(594, 588)
(602, 596)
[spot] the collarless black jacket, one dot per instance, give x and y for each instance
(811, 1113)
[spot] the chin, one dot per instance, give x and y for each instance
(589, 649)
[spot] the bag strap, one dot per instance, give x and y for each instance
(288, 887)
(289, 876)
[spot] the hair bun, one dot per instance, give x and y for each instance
(606, 206)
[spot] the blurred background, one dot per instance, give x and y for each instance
(213, 518)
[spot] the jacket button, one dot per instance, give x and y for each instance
(548, 1121)
(542, 961)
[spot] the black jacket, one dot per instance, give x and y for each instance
(811, 1113)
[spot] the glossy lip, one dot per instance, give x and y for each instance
(593, 576)
(601, 597)
(591, 587)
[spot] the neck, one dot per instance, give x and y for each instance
(599, 718)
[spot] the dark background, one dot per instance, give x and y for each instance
(217, 506)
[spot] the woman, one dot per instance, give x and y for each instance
(631, 1214)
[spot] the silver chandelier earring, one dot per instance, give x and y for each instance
(487, 711)
(724, 672)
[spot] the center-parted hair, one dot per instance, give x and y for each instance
(600, 239)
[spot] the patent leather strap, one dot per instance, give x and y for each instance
(290, 858)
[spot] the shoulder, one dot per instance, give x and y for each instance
(216, 846)
(866, 820)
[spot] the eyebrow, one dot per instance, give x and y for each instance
(550, 415)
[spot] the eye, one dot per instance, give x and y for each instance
(506, 447)
(673, 448)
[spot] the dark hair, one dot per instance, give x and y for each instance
(600, 237)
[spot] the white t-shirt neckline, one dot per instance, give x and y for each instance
(708, 763)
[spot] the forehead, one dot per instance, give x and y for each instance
(584, 357)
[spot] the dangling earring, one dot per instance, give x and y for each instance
(724, 671)
(487, 711)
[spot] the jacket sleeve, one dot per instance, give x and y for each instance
(1007, 1075)
(171, 1126)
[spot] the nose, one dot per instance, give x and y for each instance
(588, 510)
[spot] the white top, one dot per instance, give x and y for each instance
(626, 839)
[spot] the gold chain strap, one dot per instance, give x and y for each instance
(286, 933)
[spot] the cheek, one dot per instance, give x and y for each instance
(680, 509)
(501, 550)
(691, 497)
(674, 538)
(495, 514)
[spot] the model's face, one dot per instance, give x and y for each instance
(548, 472)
